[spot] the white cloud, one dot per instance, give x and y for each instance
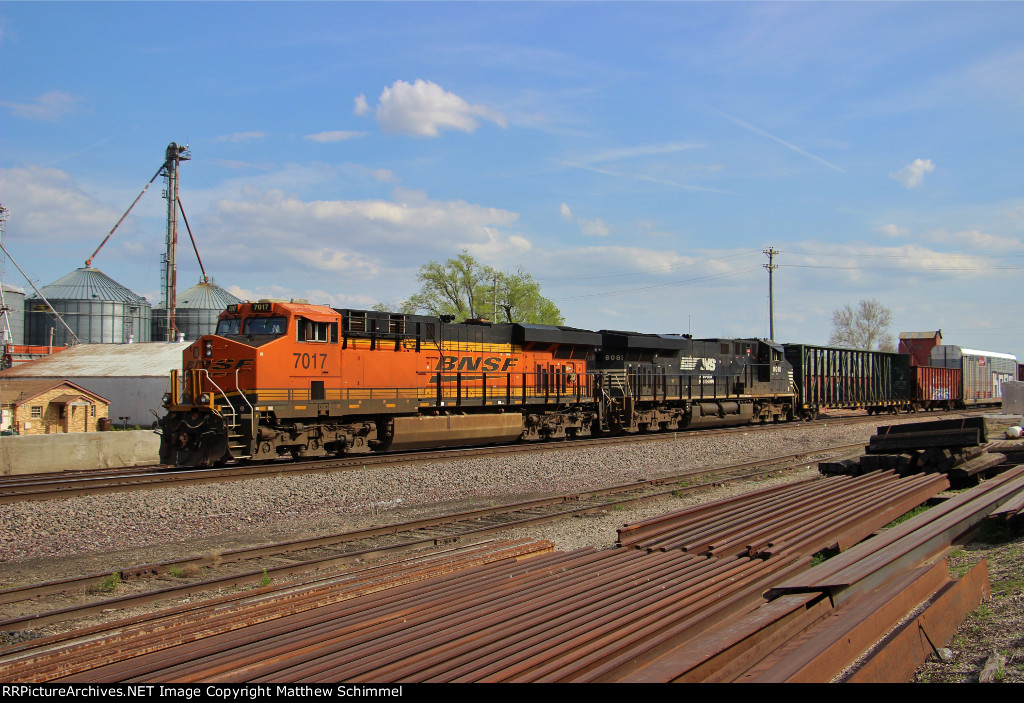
(385, 175)
(339, 136)
(594, 228)
(913, 174)
(47, 206)
(236, 137)
(270, 230)
(424, 109)
(361, 108)
(976, 239)
(566, 212)
(49, 107)
(893, 230)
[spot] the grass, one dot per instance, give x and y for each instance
(906, 516)
(823, 556)
(109, 585)
(266, 580)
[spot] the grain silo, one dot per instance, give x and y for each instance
(98, 309)
(12, 324)
(196, 313)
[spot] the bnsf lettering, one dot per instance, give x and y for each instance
(309, 361)
(217, 365)
(475, 363)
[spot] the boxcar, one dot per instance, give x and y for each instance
(982, 373)
(830, 377)
(936, 388)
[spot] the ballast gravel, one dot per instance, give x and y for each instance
(60, 538)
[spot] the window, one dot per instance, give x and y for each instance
(312, 331)
(92, 410)
(266, 325)
(231, 326)
(37, 412)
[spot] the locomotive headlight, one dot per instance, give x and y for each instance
(208, 348)
(167, 399)
(204, 399)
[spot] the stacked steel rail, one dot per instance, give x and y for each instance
(686, 601)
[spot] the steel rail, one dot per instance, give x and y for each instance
(396, 538)
(54, 486)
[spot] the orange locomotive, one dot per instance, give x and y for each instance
(293, 379)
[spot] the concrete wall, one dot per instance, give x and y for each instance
(28, 454)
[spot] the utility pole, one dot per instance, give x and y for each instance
(174, 155)
(771, 293)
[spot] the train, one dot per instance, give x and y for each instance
(287, 379)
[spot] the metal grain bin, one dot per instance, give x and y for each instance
(12, 325)
(197, 312)
(983, 372)
(96, 307)
(830, 377)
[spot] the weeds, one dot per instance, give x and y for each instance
(109, 584)
(266, 580)
(906, 516)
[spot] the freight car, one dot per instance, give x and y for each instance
(982, 373)
(831, 377)
(293, 379)
(936, 388)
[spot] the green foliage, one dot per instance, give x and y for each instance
(906, 516)
(265, 581)
(465, 289)
(109, 584)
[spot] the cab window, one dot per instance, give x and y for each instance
(266, 325)
(313, 331)
(232, 326)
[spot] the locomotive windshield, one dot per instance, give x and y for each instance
(229, 327)
(266, 325)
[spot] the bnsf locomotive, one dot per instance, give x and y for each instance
(293, 379)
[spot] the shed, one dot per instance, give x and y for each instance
(133, 377)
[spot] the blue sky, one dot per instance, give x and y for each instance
(635, 158)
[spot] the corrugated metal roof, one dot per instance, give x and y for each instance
(90, 284)
(147, 359)
(206, 296)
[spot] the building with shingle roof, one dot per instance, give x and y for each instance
(48, 407)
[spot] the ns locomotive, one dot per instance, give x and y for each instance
(281, 379)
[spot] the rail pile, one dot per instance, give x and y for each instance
(686, 600)
(956, 448)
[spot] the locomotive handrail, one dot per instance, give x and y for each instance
(221, 390)
(252, 410)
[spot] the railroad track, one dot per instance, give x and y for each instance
(52, 486)
(181, 579)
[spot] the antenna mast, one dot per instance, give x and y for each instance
(175, 154)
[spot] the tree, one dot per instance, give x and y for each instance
(867, 327)
(519, 300)
(465, 289)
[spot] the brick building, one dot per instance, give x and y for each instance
(49, 407)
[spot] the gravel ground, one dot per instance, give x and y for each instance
(58, 538)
